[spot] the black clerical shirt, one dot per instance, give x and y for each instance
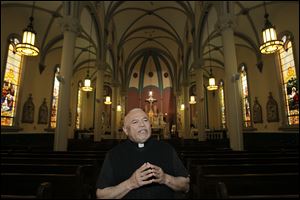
(124, 159)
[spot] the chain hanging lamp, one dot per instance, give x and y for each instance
(211, 81)
(87, 81)
(107, 100)
(270, 42)
(192, 100)
(27, 47)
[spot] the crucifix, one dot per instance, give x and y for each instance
(151, 100)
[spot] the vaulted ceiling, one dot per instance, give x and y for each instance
(124, 34)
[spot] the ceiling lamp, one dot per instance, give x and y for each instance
(107, 100)
(182, 106)
(27, 47)
(87, 81)
(270, 44)
(192, 100)
(211, 81)
(119, 108)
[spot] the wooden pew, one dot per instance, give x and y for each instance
(44, 191)
(98, 155)
(279, 186)
(87, 172)
(40, 168)
(217, 161)
(233, 154)
(243, 168)
(64, 185)
(247, 168)
(44, 160)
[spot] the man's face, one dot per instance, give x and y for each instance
(137, 126)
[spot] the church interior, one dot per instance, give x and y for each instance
(214, 77)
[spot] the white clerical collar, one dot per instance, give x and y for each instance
(141, 145)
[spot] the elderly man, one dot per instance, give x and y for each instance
(141, 167)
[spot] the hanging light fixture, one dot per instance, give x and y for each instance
(182, 106)
(211, 81)
(107, 100)
(270, 42)
(87, 81)
(119, 108)
(26, 47)
(192, 100)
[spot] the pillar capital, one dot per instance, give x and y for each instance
(69, 23)
(198, 63)
(115, 84)
(185, 83)
(226, 22)
(123, 92)
(103, 65)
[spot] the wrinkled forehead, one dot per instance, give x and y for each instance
(134, 114)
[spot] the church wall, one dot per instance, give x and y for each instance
(39, 85)
(132, 99)
(287, 20)
(260, 84)
(16, 27)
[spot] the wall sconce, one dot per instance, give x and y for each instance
(192, 100)
(270, 42)
(107, 100)
(182, 106)
(27, 47)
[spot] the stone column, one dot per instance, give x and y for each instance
(99, 129)
(186, 119)
(115, 92)
(70, 26)
(200, 111)
(232, 95)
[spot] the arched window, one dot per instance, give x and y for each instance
(245, 97)
(222, 104)
(78, 106)
(54, 101)
(11, 84)
(289, 82)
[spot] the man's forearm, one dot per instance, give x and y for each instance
(114, 192)
(177, 183)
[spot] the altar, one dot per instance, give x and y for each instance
(158, 125)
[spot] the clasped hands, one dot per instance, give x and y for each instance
(147, 174)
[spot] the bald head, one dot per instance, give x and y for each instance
(129, 115)
(137, 126)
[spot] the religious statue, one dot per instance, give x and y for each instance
(151, 113)
(28, 110)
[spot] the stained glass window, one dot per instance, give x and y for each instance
(54, 103)
(11, 85)
(289, 82)
(245, 98)
(78, 107)
(222, 104)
